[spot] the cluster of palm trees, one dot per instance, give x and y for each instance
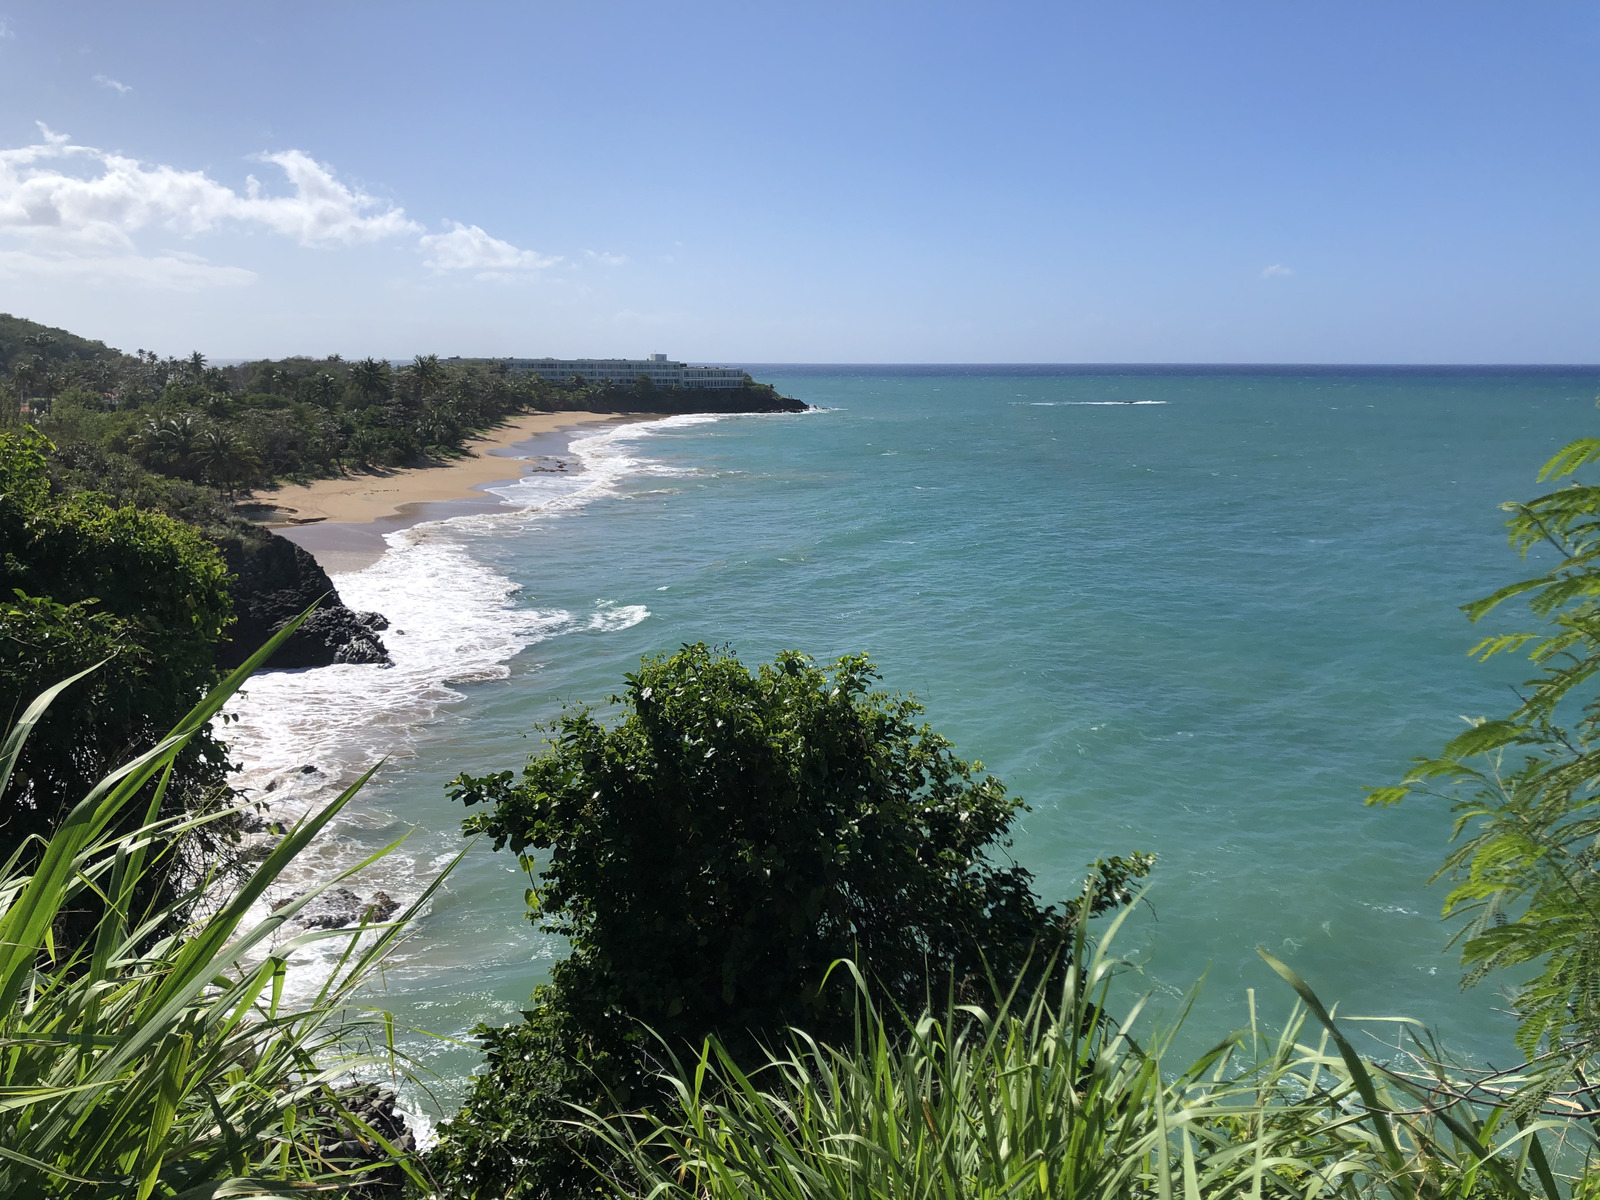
(372, 381)
(189, 444)
(373, 413)
(240, 425)
(46, 370)
(33, 373)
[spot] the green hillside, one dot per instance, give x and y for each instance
(63, 346)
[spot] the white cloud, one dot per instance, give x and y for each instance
(469, 248)
(68, 202)
(610, 260)
(111, 84)
(322, 209)
(6, 31)
(1276, 271)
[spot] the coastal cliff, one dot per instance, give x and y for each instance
(274, 581)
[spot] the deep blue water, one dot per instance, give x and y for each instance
(1199, 625)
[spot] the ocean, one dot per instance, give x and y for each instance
(1187, 611)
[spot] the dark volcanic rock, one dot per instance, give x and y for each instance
(338, 907)
(353, 1146)
(334, 909)
(380, 908)
(276, 581)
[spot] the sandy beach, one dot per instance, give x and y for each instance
(364, 497)
(344, 521)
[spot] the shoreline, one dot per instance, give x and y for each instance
(343, 521)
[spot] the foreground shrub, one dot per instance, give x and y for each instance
(1047, 1097)
(708, 857)
(158, 1058)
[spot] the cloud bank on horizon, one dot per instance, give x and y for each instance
(76, 212)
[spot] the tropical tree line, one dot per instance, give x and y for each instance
(246, 425)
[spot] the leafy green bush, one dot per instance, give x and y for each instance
(708, 857)
(156, 1058)
(83, 580)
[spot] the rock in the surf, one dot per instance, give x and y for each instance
(338, 907)
(275, 581)
(381, 907)
(334, 909)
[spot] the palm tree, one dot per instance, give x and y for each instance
(434, 427)
(426, 370)
(322, 390)
(226, 461)
(26, 375)
(334, 433)
(29, 373)
(197, 364)
(369, 378)
(167, 441)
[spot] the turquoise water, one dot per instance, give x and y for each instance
(1197, 626)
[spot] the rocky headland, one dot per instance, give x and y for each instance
(274, 582)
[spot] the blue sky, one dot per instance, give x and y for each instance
(1061, 182)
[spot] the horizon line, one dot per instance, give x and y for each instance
(1208, 365)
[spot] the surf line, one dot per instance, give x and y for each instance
(302, 736)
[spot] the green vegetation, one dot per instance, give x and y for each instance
(709, 857)
(256, 423)
(158, 1058)
(88, 581)
(1525, 788)
(1035, 1097)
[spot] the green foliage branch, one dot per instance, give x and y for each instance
(84, 580)
(1524, 787)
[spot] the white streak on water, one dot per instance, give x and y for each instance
(610, 617)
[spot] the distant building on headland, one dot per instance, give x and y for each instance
(656, 368)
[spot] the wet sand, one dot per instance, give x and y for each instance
(343, 521)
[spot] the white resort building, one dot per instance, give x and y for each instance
(656, 368)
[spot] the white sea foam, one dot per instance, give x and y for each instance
(606, 460)
(1090, 403)
(451, 620)
(302, 736)
(610, 617)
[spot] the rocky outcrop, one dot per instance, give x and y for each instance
(352, 1145)
(275, 581)
(339, 907)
